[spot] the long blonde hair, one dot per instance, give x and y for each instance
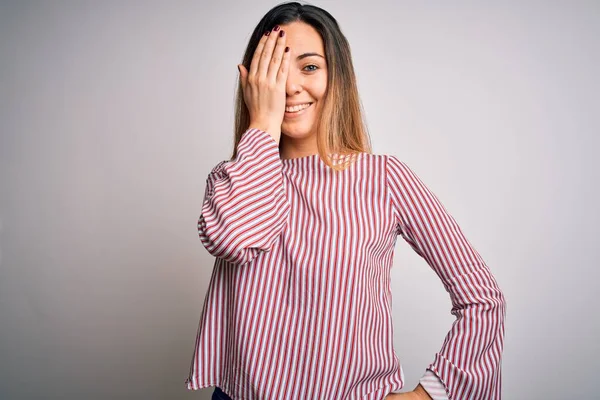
(341, 128)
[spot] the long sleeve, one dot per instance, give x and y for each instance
(469, 362)
(245, 208)
(433, 386)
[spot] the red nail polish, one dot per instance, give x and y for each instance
(286, 50)
(276, 28)
(267, 33)
(281, 34)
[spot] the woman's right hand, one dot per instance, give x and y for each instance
(264, 86)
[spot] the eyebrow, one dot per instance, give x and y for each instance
(301, 56)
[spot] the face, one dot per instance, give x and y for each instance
(307, 79)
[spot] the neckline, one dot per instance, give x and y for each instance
(299, 159)
(312, 159)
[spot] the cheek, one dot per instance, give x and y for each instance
(323, 86)
(317, 86)
(319, 90)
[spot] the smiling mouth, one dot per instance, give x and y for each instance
(297, 109)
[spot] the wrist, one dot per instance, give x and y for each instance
(265, 127)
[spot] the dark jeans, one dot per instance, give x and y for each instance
(218, 394)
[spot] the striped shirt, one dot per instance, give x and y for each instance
(299, 300)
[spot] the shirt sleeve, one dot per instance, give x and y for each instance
(469, 362)
(433, 386)
(245, 208)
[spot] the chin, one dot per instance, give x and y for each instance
(296, 131)
(296, 135)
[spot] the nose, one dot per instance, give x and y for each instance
(295, 82)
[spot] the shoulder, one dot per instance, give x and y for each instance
(388, 160)
(397, 171)
(390, 165)
(394, 170)
(374, 156)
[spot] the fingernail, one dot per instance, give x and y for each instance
(276, 28)
(287, 48)
(281, 33)
(267, 33)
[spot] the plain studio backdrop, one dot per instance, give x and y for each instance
(113, 113)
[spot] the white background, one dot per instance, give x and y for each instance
(112, 114)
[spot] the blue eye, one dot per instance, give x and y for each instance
(312, 65)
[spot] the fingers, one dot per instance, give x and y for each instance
(257, 53)
(282, 73)
(270, 60)
(242, 75)
(267, 53)
(276, 57)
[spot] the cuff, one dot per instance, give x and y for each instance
(433, 386)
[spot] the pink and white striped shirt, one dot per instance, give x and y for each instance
(299, 301)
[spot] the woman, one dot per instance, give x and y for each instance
(303, 220)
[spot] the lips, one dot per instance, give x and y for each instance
(297, 108)
(298, 114)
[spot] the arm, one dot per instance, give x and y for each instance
(245, 208)
(469, 362)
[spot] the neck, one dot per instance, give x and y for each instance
(290, 147)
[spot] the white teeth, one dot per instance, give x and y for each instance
(297, 108)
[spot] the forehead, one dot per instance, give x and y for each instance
(302, 37)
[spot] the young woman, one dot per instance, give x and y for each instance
(303, 220)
